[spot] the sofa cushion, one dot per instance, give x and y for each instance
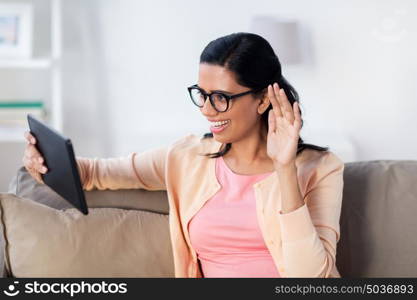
(41, 241)
(378, 224)
(23, 185)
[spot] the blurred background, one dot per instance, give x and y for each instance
(112, 74)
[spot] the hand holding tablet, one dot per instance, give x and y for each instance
(33, 160)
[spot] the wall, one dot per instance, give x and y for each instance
(127, 65)
(357, 79)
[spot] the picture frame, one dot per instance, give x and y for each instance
(16, 30)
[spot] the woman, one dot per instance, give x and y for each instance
(251, 199)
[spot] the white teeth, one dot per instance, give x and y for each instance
(219, 123)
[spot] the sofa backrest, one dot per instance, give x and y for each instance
(378, 225)
(23, 185)
(378, 222)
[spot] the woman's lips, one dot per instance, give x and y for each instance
(215, 129)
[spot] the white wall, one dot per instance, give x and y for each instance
(358, 79)
(127, 64)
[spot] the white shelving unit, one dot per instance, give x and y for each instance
(12, 142)
(53, 64)
(39, 63)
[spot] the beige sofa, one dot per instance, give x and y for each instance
(378, 228)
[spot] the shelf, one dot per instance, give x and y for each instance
(12, 133)
(38, 63)
(12, 139)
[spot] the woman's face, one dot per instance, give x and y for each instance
(243, 114)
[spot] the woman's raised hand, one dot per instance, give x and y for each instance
(33, 160)
(284, 128)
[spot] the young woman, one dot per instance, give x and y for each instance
(249, 199)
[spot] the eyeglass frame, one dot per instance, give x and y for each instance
(227, 97)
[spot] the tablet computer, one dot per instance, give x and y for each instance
(59, 157)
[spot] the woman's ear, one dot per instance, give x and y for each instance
(263, 103)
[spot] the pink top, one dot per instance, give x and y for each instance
(225, 232)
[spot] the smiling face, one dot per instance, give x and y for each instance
(244, 114)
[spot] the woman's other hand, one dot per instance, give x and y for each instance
(33, 160)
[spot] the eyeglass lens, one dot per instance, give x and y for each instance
(220, 102)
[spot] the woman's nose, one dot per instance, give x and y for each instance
(208, 109)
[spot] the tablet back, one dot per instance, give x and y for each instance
(58, 153)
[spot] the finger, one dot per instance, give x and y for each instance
(39, 160)
(39, 166)
(30, 138)
(33, 164)
(33, 152)
(274, 101)
(297, 116)
(43, 169)
(284, 103)
(271, 121)
(34, 169)
(289, 112)
(28, 164)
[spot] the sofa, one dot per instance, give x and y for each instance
(126, 233)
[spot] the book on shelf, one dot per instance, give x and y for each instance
(13, 117)
(21, 104)
(15, 112)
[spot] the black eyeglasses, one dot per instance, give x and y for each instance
(218, 100)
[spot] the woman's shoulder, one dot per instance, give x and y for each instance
(194, 143)
(314, 159)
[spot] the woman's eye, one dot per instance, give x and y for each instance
(219, 97)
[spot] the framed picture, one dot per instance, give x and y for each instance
(15, 30)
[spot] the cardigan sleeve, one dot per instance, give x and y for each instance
(144, 170)
(310, 233)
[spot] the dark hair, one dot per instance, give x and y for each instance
(253, 61)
